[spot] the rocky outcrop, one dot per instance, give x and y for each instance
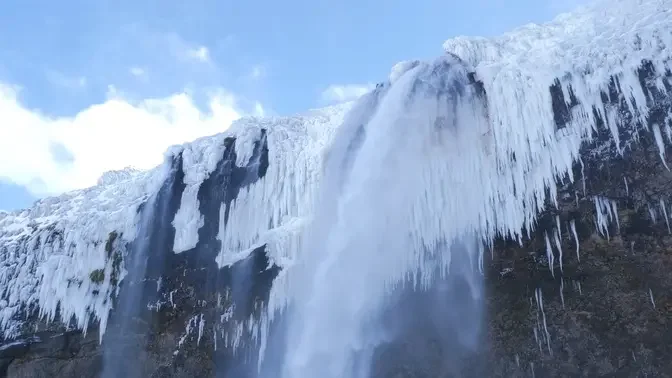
(607, 311)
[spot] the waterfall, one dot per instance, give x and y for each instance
(401, 194)
(122, 352)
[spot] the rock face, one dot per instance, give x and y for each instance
(606, 310)
(601, 310)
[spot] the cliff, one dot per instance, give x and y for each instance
(185, 270)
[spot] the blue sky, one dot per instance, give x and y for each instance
(73, 70)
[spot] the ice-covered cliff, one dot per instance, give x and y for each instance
(50, 251)
(519, 123)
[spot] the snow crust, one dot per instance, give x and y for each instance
(583, 49)
(401, 68)
(112, 177)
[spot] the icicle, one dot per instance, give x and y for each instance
(627, 190)
(201, 325)
(562, 295)
(660, 143)
(549, 254)
(540, 304)
(668, 129)
(601, 221)
(583, 176)
(578, 284)
(651, 298)
(557, 241)
(652, 214)
(614, 210)
(559, 247)
(667, 219)
(480, 259)
(606, 211)
(576, 238)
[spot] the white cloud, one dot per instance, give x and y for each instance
(52, 155)
(200, 53)
(137, 71)
(344, 93)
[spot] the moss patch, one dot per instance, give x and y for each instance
(109, 245)
(116, 268)
(97, 276)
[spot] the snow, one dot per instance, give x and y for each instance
(502, 195)
(295, 146)
(401, 68)
(21, 342)
(112, 177)
(48, 252)
(200, 158)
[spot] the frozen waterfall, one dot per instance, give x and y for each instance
(399, 205)
(307, 246)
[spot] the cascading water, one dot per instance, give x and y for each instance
(121, 357)
(118, 350)
(403, 190)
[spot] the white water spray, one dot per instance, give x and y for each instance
(398, 195)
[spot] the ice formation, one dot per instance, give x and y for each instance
(49, 253)
(606, 214)
(491, 170)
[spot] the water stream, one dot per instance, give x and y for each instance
(400, 197)
(122, 348)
